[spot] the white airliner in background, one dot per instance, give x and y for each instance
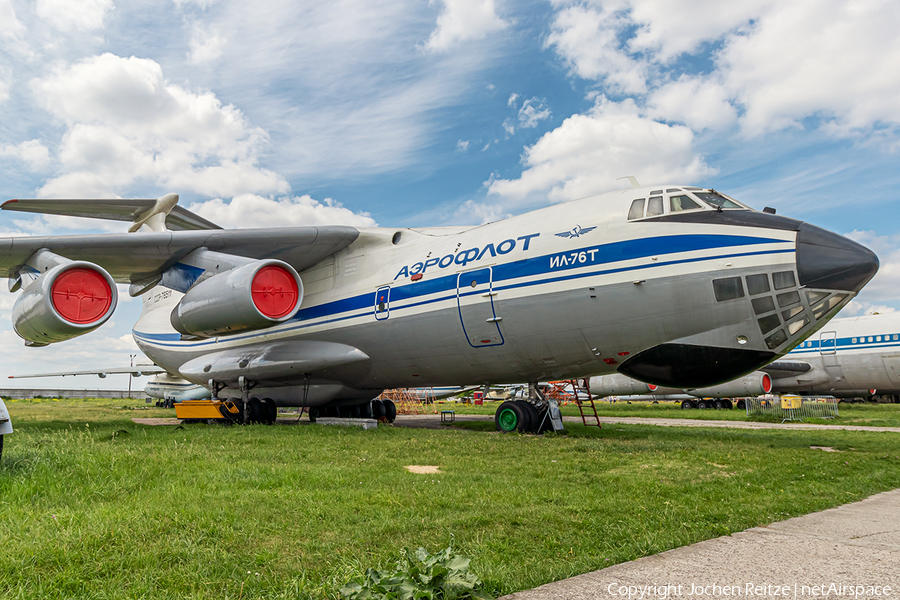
(161, 386)
(675, 285)
(850, 357)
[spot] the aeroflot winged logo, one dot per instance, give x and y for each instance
(575, 232)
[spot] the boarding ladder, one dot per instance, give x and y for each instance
(569, 391)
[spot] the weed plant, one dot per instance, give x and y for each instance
(93, 505)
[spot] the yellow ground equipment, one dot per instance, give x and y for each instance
(205, 409)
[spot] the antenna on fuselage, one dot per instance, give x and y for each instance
(632, 179)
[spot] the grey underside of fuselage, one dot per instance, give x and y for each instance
(585, 331)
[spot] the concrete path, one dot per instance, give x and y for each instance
(851, 552)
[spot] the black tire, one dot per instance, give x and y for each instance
(534, 417)
(378, 410)
(685, 404)
(527, 419)
(255, 406)
(365, 410)
(314, 414)
(717, 404)
(270, 411)
(741, 405)
(703, 404)
(726, 404)
(510, 416)
(390, 411)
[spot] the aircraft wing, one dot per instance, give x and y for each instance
(136, 371)
(110, 209)
(136, 257)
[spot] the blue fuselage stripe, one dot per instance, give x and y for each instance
(540, 265)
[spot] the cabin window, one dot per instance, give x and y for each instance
(637, 209)
(679, 203)
(798, 325)
(767, 324)
(763, 305)
(788, 299)
(717, 200)
(870, 339)
(783, 279)
(654, 206)
(728, 289)
(757, 284)
(853, 341)
(877, 338)
(895, 337)
(776, 339)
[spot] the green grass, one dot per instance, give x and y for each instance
(95, 506)
(869, 414)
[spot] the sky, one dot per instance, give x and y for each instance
(410, 113)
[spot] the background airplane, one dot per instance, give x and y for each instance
(675, 285)
(851, 357)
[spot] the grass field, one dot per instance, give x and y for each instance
(868, 413)
(95, 506)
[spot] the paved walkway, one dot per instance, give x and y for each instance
(851, 552)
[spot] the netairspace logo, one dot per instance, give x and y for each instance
(749, 590)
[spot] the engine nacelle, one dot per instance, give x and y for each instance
(253, 296)
(65, 301)
(619, 385)
(754, 384)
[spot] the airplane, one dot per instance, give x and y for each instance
(163, 386)
(673, 285)
(851, 357)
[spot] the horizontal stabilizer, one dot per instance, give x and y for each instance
(110, 209)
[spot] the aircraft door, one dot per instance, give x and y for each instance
(475, 298)
(383, 303)
(828, 352)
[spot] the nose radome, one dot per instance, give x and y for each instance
(826, 260)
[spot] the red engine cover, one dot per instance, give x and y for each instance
(81, 295)
(274, 291)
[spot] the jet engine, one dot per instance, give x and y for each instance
(65, 301)
(754, 384)
(253, 296)
(619, 385)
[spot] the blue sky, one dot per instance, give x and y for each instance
(403, 113)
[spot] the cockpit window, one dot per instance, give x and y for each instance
(679, 203)
(654, 206)
(715, 199)
(637, 209)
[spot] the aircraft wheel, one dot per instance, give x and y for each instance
(534, 417)
(365, 410)
(685, 404)
(703, 404)
(256, 410)
(726, 404)
(313, 414)
(270, 411)
(717, 404)
(741, 405)
(378, 410)
(390, 410)
(525, 424)
(510, 416)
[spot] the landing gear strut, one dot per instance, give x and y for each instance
(535, 415)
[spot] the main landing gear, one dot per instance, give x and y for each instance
(381, 410)
(535, 415)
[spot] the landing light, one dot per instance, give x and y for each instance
(742, 339)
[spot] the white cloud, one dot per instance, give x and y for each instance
(588, 40)
(533, 112)
(463, 145)
(700, 103)
(480, 212)
(464, 21)
(772, 64)
(127, 125)
(12, 28)
(206, 45)
(33, 153)
(249, 210)
(69, 15)
(587, 153)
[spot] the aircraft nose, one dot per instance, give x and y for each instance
(826, 260)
